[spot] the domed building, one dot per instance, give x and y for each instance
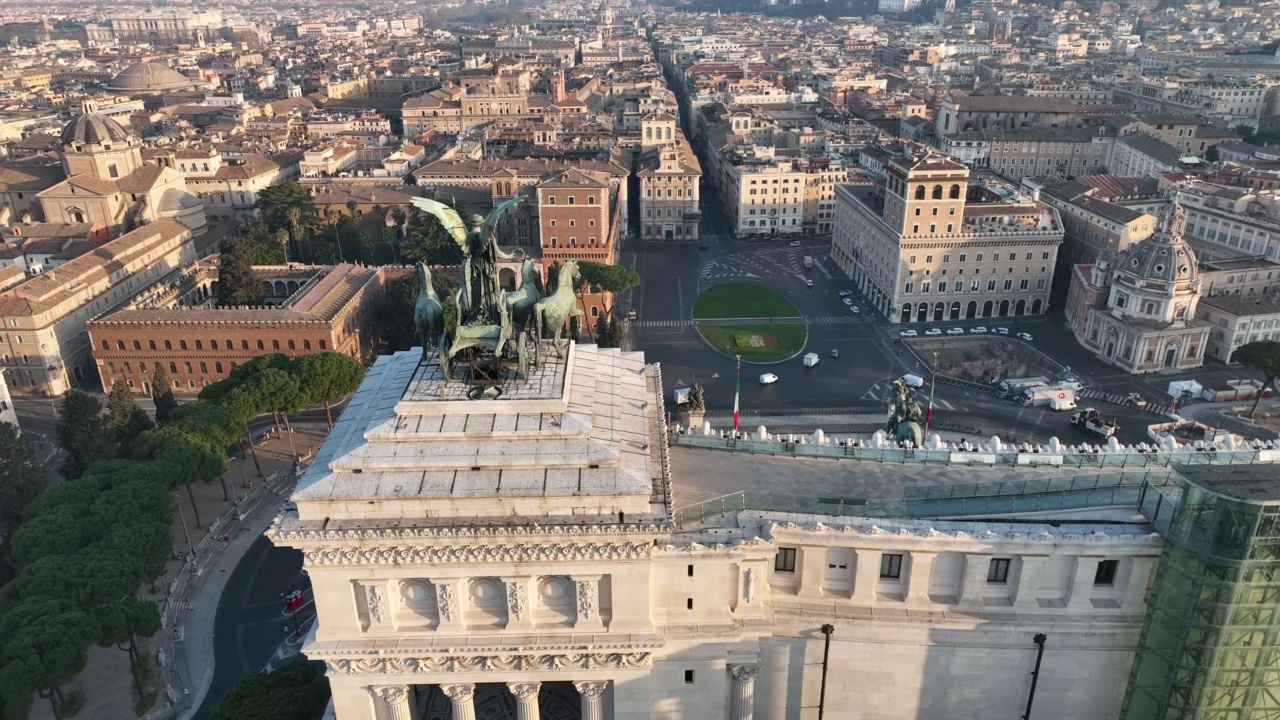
(149, 78)
(108, 183)
(1136, 310)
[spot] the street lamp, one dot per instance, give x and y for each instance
(827, 631)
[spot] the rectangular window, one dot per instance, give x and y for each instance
(891, 567)
(991, 285)
(785, 560)
(688, 677)
(1008, 284)
(962, 257)
(998, 570)
(1106, 573)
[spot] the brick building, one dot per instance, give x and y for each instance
(575, 223)
(333, 310)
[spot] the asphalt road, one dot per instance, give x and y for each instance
(251, 623)
(675, 273)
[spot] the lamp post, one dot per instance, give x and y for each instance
(827, 631)
(183, 515)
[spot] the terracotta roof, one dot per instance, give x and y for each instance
(30, 178)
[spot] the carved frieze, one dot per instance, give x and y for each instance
(401, 535)
(489, 663)
(516, 600)
(376, 599)
(750, 581)
(929, 531)
(399, 555)
(446, 601)
(586, 599)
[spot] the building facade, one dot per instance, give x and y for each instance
(929, 246)
(1137, 309)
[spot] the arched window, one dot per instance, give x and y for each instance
(322, 345)
(151, 344)
(937, 192)
(127, 369)
(182, 344)
(244, 344)
(229, 345)
(173, 368)
(218, 367)
(204, 369)
(955, 192)
(260, 346)
(106, 345)
(291, 345)
(275, 344)
(919, 192)
(187, 367)
(168, 345)
(306, 344)
(119, 344)
(137, 345)
(200, 345)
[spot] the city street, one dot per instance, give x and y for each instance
(675, 273)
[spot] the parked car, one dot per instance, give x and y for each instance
(808, 282)
(907, 333)
(847, 301)
(1026, 337)
(1001, 331)
(980, 330)
(795, 243)
(768, 379)
(854, 309)
(955, 331)
(933, 332)
(846, 293)
(835, 352)
(1136, 399)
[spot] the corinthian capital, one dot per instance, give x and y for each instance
(459, 693)
(745, 673)
(525, 690)
(391, 694)
(591, 690)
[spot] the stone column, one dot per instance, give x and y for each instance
(813, 566)
(1135, 586)
(587, 594)
(1029, 581)
(526, 699)
(976, 566)
(395, 701)
(744, 692)
(866, 573)
(918, 578)
(591, 691)
(1082, 583)
(462, 700)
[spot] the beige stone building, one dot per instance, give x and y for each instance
(929, 246)
(670, 176)
(1234, 320)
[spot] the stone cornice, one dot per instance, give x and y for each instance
(757, 544)
(427, 554)
(286, 532)
(521, 662)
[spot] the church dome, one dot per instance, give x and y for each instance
(149, 77)
(1163, 257)
(92, 128)
(175, 200)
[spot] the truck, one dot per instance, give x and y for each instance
(1088, 420)
(1012, 387)
(1044, 394)
(810, 359)
(808, 262)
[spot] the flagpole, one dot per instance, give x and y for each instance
(737, 392)
(933, 383)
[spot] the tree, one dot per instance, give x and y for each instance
(124, 417)
(288, 205)
(21, 479)
(80, 433)
(262, 245)
(325, 377)
(295, 691)
(398, 331)
(45, 654)
(1264, 356)
(237, 283)
(612, 279)
(162, 395)
(121, 624)
(427, 241)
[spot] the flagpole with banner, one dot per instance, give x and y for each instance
(933, 383)
(737, 391)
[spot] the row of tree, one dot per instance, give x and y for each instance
(82, 550)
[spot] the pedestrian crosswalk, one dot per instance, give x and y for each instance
(827, 320)
(1122, 399)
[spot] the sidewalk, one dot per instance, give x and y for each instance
(181, 655)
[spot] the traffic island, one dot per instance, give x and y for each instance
(744, 301)
(756, 343)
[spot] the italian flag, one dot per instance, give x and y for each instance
(737, 391)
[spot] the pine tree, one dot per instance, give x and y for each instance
(124, 416)
(237, 283)
(162, 395)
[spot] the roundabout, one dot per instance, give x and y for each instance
(749, 321)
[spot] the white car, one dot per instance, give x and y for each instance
(955, 331)
(1025, 337)
(846, 293)
(1001, 331)
(907, 333)
(933, 332)
(847, 301)
(980, 330)
(768, 379)
(809, 283)
(795, 243)
(854, 309)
